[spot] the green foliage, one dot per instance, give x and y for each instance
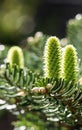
(43, 102)
(70, 63)
(74, 33)
(33, 51)
(29, 121)
(59, 102)
(52, 58)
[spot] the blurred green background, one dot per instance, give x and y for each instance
(22, 18)
(16, 20)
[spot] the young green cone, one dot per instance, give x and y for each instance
(70, 64)
(52, 58)
(15, 57)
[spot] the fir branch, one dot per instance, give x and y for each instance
(51, 98)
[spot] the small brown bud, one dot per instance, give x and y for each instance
(21, 93)
(48, 86)
(42, 90)
(35, 90)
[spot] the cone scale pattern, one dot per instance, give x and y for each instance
(52, 58)
(15, 57)
(70, 64)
